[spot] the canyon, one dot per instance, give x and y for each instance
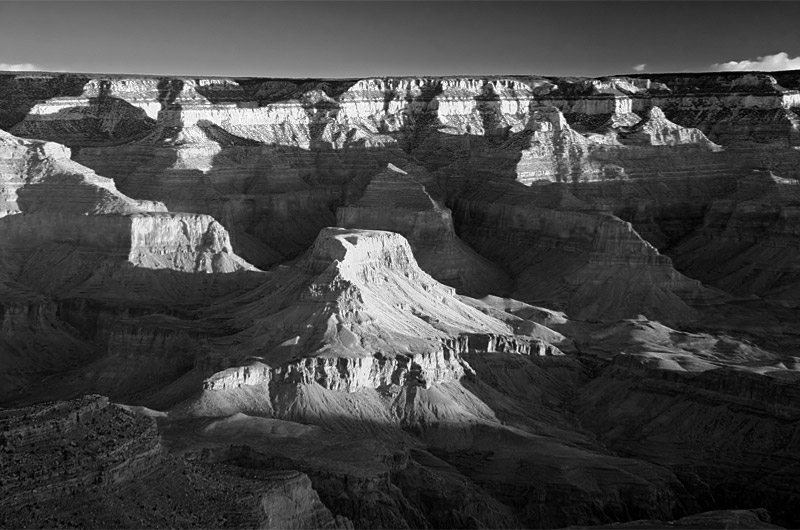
(435, 302)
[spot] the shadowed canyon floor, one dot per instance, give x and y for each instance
(400, 302)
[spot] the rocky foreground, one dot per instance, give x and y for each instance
(400, 303)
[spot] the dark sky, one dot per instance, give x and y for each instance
(376, 38)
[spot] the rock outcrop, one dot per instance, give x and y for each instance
(67, 449)
(97, 464)
(40, 176)
(356, 312)
(657, 130)
(556, 153)
(68, 234)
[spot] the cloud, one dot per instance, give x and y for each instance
(639, 67)
(22, 67)
(779, 61)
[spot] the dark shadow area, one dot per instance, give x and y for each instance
(265, 91)
(422, 120)
(729, 436)
(19, 93)
(168, 91)
(104, 121)
(320, 113)
(506, 475)
(488, 104)
(113, 328)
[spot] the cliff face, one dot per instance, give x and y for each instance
(642, 228)
(589, 265)
(68, 233)
(273, 160)
(356, 312)
(397, 201)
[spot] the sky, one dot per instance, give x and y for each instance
(383, 37)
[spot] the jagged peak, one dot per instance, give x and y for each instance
(657, 129)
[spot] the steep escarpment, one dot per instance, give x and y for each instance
(40, 176)
(383, 347)
(559, 153)
(94, 117)
(733, 108)
(272, 160)
(248, 167)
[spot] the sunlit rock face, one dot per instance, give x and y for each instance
(51, 199)
(360, 293)
(733, 109)
(40, 177)
(557, 153)
(441, 302)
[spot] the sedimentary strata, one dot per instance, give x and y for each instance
(518, 301)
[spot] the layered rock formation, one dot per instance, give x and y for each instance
(57, 450)
(356, 312)
(91, 463)
(372, 375)
(589, 265)
(747, 242)
(673, 417)
(70, 237)
(395, 200)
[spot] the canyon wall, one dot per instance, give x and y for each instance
(519, 301)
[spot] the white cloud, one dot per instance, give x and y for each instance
(22, 67)
(639, 67)
(779, 61)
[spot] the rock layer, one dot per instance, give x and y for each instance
(396, 201)
(347, 385)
